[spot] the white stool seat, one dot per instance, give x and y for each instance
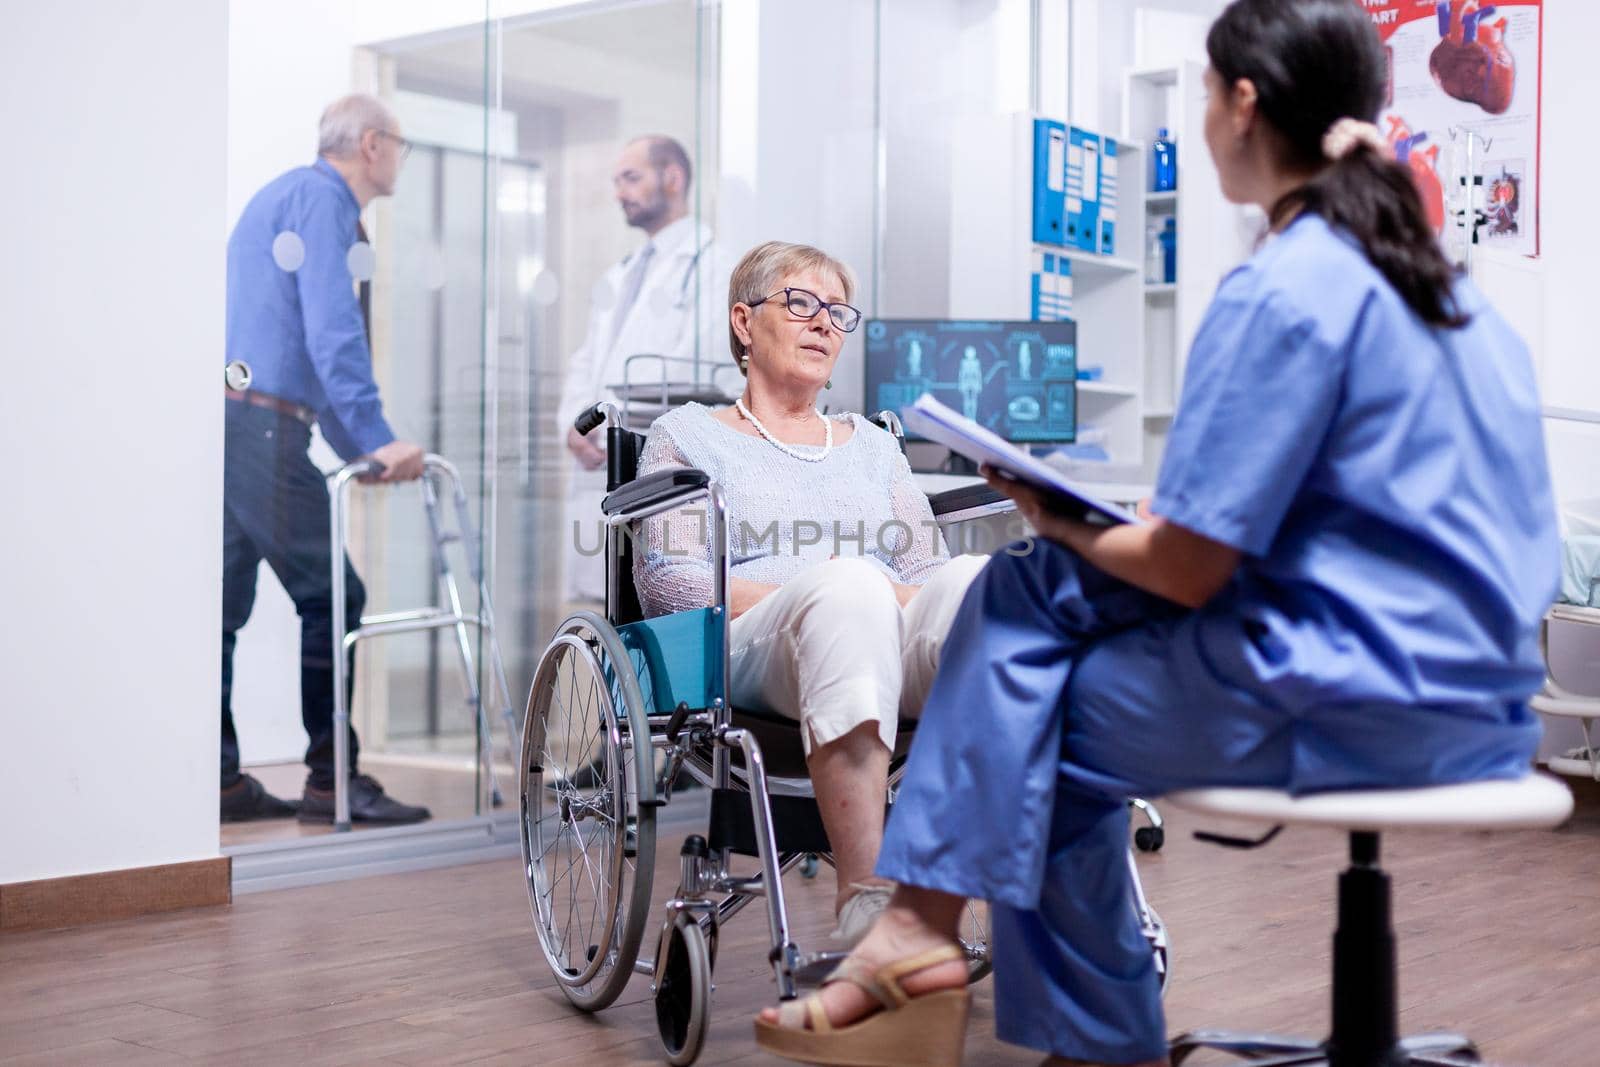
(1571, 706)
(1531, 803)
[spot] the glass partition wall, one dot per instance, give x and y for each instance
(497, 263)
(502, 258)
(507, 240)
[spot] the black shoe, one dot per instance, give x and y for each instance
(368, 803)
(248, 799)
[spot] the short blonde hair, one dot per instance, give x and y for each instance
(764, 266)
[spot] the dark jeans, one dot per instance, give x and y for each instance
(275, 508)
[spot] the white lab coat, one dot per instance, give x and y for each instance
(662, 321)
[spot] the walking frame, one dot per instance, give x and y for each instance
(438, 473)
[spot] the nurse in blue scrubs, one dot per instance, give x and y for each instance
(1351, 543)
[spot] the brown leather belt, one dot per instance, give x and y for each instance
(273, 403)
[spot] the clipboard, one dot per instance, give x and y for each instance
(938, 422)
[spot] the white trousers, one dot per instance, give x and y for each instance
(833, 649)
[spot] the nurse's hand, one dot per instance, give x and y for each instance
(1031, 506)
(1158, 556)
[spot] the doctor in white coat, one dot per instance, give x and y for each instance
(658, 300)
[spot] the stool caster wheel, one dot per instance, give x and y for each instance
(809, 865)
(683, 989)
(1149, 838)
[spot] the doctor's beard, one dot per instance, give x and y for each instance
(646, 214)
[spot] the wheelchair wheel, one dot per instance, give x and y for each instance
(683, 988)
(588, 843)
(974, 935)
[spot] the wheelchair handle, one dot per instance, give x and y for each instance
(592, 417)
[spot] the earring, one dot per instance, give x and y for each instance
(829, 384)
(744, 362)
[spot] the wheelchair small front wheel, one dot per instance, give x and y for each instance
(683, 988)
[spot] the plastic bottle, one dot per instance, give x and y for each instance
(1169, 250)
(1163, 163)
(1155, 269)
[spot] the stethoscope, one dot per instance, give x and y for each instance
(682, 302)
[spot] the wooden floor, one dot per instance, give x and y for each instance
(1499, 936)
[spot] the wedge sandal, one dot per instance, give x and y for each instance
(928, 1029)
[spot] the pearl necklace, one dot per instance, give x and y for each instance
(809, 457)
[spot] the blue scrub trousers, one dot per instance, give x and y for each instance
(1061, 693)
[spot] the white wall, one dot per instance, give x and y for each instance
(799, 154)
(942, 61)
(1558, 295)
(798, 150)
(1568, 231)
(112, 305)
(1549, 299)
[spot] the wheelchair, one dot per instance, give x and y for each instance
(609, 693)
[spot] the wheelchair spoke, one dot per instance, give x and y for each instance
(588, 869)
(571, 863)
(570, 711)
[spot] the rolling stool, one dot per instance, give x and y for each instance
(1365, 1015)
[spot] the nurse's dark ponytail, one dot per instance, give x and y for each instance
(1314, 62)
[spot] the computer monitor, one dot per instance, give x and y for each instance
(1019, 379)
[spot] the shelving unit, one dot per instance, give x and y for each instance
(1209, 241)
(991, 257)
(1102, 389)
(1136, 333)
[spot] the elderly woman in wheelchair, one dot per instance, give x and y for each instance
(778, 594)
(778, 599)
(841, 591)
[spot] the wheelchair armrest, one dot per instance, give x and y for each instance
(653, 489)
(979, 499)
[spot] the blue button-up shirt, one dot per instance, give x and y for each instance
(300, 329)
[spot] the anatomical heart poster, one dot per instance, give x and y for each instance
(1458, 66)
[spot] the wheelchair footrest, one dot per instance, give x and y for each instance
(813, 967)
(795, 820)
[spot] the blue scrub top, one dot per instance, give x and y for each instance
(1385, 479)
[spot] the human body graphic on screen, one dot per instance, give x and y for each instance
(1016, 378)
(971, 382)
